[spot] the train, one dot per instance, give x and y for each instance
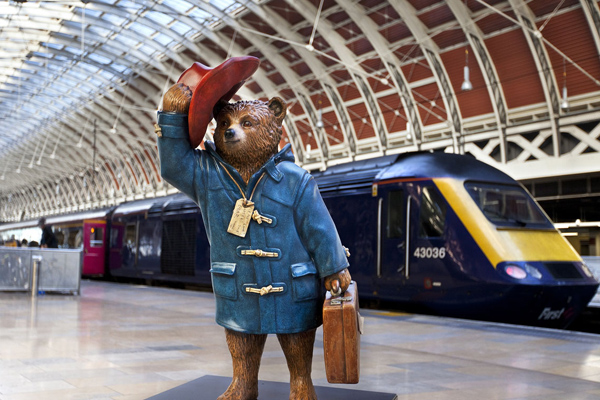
(430, 232)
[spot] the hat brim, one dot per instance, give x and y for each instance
(209, 85)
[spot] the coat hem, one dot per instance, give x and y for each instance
(284, 331)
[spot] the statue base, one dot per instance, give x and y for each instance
(209, 387)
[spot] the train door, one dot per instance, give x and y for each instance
(117, 233)
(130, 245)
(94, 239)
(412, 241)
(428, 248)
(393, 240)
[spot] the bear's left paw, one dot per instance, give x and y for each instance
(341, 279)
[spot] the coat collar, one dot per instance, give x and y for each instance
(271, 166)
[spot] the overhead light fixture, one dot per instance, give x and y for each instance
(564, 104)
(320, 124)
(466, 85)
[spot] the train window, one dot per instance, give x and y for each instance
(507, 205)
(432, 218)
(130, 235)
(395, 220)
(96, 237)
(74, 239)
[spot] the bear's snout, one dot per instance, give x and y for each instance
(229, 134)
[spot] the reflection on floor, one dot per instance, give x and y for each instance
(131, 342)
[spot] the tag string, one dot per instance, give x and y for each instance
(240, 189)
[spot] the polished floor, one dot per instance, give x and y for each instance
(127, 342)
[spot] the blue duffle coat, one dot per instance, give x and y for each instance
(301, 235)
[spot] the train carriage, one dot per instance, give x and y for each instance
(448, 234)
(160, 239)
(86, 230)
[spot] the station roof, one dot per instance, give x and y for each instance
(80, 82)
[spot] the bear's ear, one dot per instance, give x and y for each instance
(279, 108)
(219, 107)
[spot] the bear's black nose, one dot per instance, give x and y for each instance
(229, 134)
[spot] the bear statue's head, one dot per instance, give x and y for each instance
(248, 133)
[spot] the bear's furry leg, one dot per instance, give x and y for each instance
(298, 350)
(246, 351)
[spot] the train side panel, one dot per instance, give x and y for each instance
(163, 241)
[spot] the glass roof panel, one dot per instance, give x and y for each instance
(65, 35)
(114, 19)
(40, 54)
(98, 58)
(107, 74)
(142, 29)
(32, 62)
(73, 50)
(180, 28)
(147, 50)
(54, 46)
(163, 39)
(120, 68)
(222, 4)
(131, 5)
(201, 15)
(161, 18)
(99, 30)
(95, 81)
(79, 74)
(181, 6)
(127, 41)
(88, 12)
(88, 67)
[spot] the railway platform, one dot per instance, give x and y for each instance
(126, 342)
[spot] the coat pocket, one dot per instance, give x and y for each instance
(223, 280)
(305, 283)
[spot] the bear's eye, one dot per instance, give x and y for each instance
(223, 124)
(246, 124)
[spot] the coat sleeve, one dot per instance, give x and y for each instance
(317, 230)
(178, 160)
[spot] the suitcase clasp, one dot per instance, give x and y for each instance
(339, 300)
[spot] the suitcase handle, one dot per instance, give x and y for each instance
(336, 290)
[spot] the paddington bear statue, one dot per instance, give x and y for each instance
(271, 237)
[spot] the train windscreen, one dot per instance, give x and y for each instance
(508, 206)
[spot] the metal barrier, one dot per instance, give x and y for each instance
(40, 270)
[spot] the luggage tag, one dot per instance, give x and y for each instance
(240, 219)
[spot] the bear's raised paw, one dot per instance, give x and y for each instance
(177, 99)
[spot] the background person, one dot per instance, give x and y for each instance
(48, 239)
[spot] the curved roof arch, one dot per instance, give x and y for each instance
(80, 82)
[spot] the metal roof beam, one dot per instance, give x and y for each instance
(431, 52)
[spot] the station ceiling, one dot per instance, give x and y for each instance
(80, 82)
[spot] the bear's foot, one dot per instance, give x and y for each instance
(239, 390)
(302, 389)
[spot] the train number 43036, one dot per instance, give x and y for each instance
(430, 252)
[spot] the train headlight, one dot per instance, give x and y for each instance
(515, 271)
(533, 271)
(586, 270)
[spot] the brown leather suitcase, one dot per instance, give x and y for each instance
(342, 325)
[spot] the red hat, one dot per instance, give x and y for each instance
(209, 85)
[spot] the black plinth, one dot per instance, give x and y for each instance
(209, 387)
